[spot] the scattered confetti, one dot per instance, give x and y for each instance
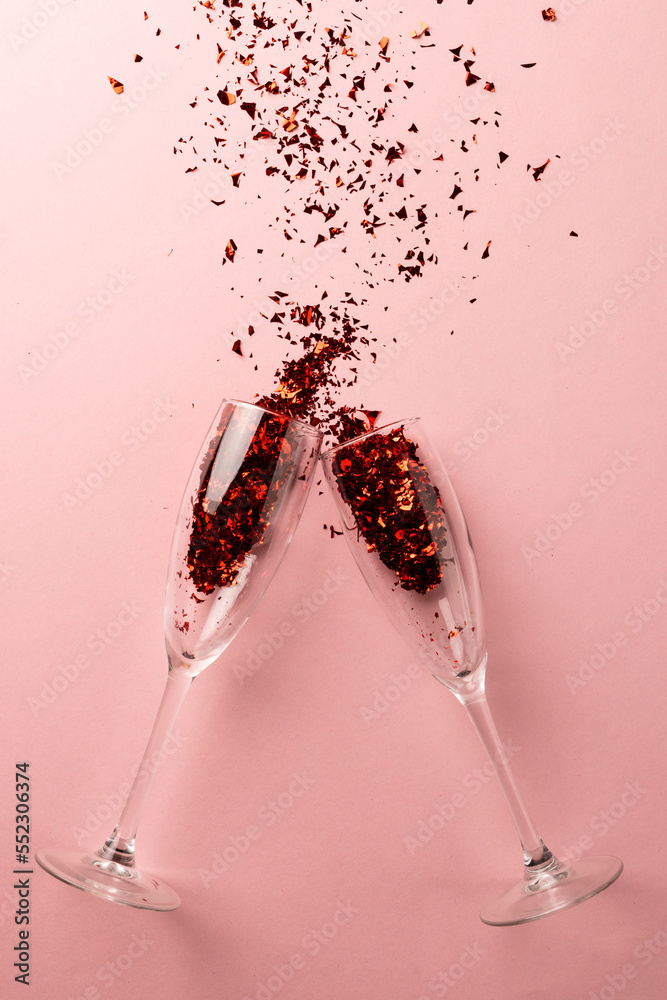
(230, 251)
(117, 86)
(297, 97)
(538, 171)
(418, 32)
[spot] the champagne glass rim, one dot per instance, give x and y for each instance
(374, 430)
(308, 428)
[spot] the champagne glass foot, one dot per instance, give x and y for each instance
(553, 888)
(108, 879)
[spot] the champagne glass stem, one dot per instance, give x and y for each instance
(535, 852)
(119, 847)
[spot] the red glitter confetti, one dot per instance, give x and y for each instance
(305, 122)
(538, 171)
(230, 251)
(307, 95)
(549, 14)
(228, 519)
(116, 85)
(396, 508)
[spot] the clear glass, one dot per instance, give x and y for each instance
(444, 624)
(250, 482)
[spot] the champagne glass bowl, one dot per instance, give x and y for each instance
(408, 535)
(239, 512)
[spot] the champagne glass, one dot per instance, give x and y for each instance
(241, 507)
(406, 530)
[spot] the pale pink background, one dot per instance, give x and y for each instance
(67, 573)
